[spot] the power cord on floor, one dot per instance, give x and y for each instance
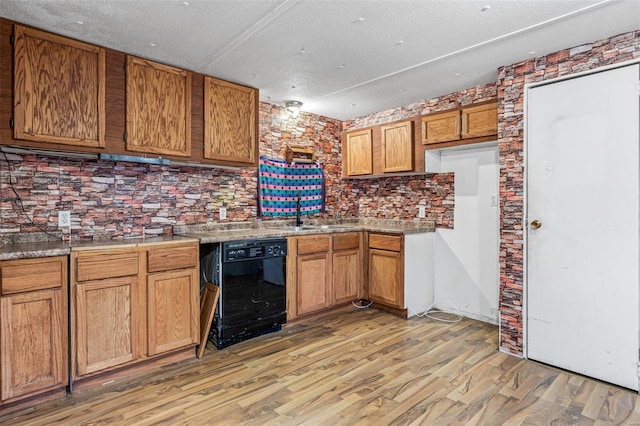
(362, 303)
(19, 200)
(436, 313)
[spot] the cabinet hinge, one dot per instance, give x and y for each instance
(11, 39)
(124, 136)
(11, 123)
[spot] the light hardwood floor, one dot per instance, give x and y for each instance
(355, 367)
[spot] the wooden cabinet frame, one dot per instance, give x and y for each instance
(33, 334)
(158, 108)
(66, 74)
(230, 122)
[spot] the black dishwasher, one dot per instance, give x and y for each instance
(252, 276)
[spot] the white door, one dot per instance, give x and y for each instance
(582, 262)
(467, 265)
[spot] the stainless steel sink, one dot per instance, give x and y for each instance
(311, 227)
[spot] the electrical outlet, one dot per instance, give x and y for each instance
(223, 213)
(422, 211)
(494, 200)
(64, 218)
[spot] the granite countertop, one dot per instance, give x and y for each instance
(215, 233)
(26, 250)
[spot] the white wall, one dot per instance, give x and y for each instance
(466, 257)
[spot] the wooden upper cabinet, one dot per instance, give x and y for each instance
(443, 127)
(480, 121)
(397, 147)
(158, 108)
(230, 122)
(357, 153)
(59, 89)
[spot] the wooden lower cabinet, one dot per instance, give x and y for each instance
(386, 269)
(347, 267)
(107, 318)
(323, 271)
(33, 328)
(314, 282)
(385, 282)
(172, 309)
(133, 304)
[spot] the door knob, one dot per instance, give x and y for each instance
(535, 224)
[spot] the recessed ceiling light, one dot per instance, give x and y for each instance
(458, 74)
(399, 42)
(152, 44)
(532, 52)
(302, 51)
(402, 90)
(485, 8)
(185, 3)
(342, 65)
(80, 23)
(359, 20)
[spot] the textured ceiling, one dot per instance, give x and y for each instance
(342, 59)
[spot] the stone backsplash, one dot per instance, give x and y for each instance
(125, 200)
(399, 197)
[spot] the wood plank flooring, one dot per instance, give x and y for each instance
(355, 367)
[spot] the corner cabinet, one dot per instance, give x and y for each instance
(33, 328)
(230, 122)
(357, 153)
(158, 108)
(50, 104)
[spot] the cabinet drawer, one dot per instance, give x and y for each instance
(315, 244)
(100, 264)
(33, 274)
(385, 242)
(167, 259)
(349, 240)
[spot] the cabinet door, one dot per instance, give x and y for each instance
(480, 121)
(347, 275)
(230, 122)
(397, 147)
(158, 108)
(33, 344)
(106, 323)
(357, 153)
(442, 127)
(172, 310)
(59, 89)
(313, 282)
(386, 277)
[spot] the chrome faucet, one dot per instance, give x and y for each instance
(298, 218)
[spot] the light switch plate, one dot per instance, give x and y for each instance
(223, 213)
(422, 211)
(64, 218)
